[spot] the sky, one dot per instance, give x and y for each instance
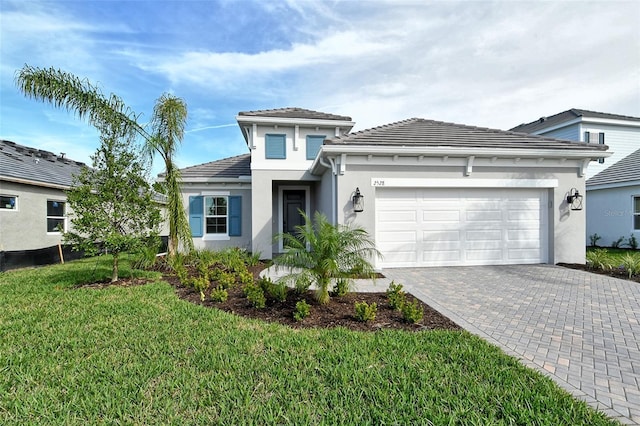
(489, 64)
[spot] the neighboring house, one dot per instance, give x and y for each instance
(621, 133)
(434, 193)
(33, 203)
(613, 201)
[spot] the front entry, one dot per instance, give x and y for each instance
(294, 201)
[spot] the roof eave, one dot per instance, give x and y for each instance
(244, 119)
(34, 182)
(595, 187)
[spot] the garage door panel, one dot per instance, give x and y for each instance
(467, 226)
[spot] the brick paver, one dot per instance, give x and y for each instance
(580, 329)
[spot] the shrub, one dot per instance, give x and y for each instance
(631, 264)
(632, 242)
(396, 295)
(599, 259)
(226, 279)
(255, 295)
(219, 294)
(617, 243)
(593, 239)
(365, 312)
(245, 277)
(277, 291)
(302, 284)
(341, 287)
(412, 312)
(201, 284)
(302, 311)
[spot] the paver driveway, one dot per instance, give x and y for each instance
(578, 328)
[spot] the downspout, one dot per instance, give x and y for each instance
(332, 165)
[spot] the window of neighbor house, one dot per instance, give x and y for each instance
(275, 147)
(8, 202)
(595, 137)
(636, 213)
(215, 212)
(313, 146)
(56, 219)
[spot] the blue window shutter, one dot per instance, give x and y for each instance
(313, 146)
(275, 146)
(235, 216)
(196, 215)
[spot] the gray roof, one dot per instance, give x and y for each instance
(35, 165)
(421, 132)
(232, 167)
(625, 170)
(294, 113)
(572, 114)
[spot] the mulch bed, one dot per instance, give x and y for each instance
(616, 273)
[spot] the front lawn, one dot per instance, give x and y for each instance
(140, 355)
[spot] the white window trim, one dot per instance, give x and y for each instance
(64, 218)
(17, 207)
(214, 237)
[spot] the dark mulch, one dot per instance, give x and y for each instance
(616, 273)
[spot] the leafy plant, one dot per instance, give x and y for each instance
(245, 277)
(412, 312)
(632, 242)
(146, 256)
(599, 259)
(341, 287)
(219, 294)
(631, 263)
(201, 284)
(277, 291)
(593, 239)
(617, 243)
(396, 295)
(255, 295)
(302, 311)
(319, 252)
(365, 312)
(226, 280)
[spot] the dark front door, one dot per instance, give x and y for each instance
(294, 201)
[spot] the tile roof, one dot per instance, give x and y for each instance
(31, 164)
(294, 113)
(545, 122)
(232, 167)
(625, 170)
(421, 132)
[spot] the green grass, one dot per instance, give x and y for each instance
(139, 355)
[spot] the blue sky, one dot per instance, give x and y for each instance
(491, 64)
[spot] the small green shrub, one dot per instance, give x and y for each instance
(245, 277)
(631, 263)
(302, 311)
(593, 239)
(145, 258)
(599, 259)
(412, 312)
(226, 279)
(396, 295)
(617, 243)
(219, 294)
(341, 287)
(302, 284)
(632, 242)
(277, 291)
(365, 312)
(201, 284)
(255, 295)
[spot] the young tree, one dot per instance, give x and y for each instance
(319, 252)
(112, 204)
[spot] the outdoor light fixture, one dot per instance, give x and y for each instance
(574, 199)
(358, 201)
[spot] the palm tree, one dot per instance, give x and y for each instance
(319, 252)
(169, 118)
(79, 96)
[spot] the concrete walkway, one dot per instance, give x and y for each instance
(580, 329)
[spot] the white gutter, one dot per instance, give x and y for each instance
(331, 165)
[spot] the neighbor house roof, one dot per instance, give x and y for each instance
(572, 114)
(232, 167)
(34, 166)
(625, 170)
(294, 113)
(429, 133)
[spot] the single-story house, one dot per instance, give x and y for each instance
(613, 201)
(33, 203)
(430, 193)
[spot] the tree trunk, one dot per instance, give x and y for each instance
(114, 272)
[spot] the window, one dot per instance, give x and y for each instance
(215, 212)
(313, 146)
(595, 137)
(8, 202)
(275, 147)
(636, 213)
(56, 220)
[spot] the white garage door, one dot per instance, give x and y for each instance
(450, 226)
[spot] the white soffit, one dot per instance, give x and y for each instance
(463, 183)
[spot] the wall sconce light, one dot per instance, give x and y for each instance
(574, 199)
(358, 201)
